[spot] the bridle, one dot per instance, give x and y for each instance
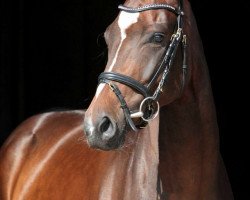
(149, 107)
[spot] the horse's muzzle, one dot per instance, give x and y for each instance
(104, 134)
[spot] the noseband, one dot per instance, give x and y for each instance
(149, 107)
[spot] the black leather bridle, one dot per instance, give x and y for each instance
(149, 107)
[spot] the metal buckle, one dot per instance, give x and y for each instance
(149, 109)
(184, 39)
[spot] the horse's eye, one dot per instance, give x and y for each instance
(157, 38)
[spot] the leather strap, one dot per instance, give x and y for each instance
(123, 103)
(132, 83)
(184, 62)
(169, 54)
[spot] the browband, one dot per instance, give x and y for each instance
(151, 7)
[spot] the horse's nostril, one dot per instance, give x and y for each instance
(107, 128)
(105, 125)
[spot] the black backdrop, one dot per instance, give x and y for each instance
(52, 52)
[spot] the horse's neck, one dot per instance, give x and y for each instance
(189, 149)
(136, 165)
(190, 161)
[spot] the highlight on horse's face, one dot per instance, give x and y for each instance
(136, 44)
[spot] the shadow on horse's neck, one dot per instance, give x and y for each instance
(193, 114)
(190, 162)
(189, 141)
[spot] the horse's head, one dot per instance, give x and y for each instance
(146, 65)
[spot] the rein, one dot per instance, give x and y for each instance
(149, 107)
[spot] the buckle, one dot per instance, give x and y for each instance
(149, 109)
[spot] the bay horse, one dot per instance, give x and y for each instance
(149, 133)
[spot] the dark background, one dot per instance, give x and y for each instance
(52, 52)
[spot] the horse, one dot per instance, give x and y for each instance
(150, 131)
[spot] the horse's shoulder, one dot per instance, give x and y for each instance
(45, 123)
(43, 142)
(42, 130)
